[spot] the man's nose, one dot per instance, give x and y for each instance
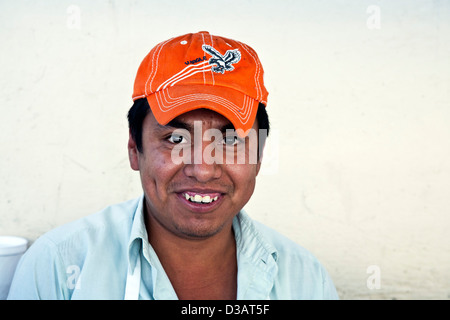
(205, 165)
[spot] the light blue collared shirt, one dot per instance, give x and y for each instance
(89, 259)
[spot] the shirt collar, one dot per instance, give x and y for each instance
(250, 242)
(138, 235)
(160, 287)
(257, 258)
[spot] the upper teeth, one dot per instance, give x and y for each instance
(200, 199)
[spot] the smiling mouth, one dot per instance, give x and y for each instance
(199, 198)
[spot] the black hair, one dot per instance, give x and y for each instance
(141, 108)
(136, 116)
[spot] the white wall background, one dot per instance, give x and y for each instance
(359, 103)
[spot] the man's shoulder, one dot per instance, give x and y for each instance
(284, 249)
(79, 248)
(109, 222)
(300, 274)
(282, 244)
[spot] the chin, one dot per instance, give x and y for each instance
(199, 230)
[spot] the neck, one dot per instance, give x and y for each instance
(198, 268)
(187, 251)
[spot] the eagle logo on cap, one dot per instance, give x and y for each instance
(222, 62)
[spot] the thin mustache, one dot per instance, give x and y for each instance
(181, 186)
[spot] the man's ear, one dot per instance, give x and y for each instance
(133, 153)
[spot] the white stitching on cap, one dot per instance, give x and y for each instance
(258, 89)
(196, 70)
(204, 78)
(152, 70)
(183, 72)
(169, 105)
(139, 97)
(157, 60)
(192, 97)
(161, 45)
(212, 72)
(245, 110)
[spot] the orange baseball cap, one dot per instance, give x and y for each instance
(200, 70)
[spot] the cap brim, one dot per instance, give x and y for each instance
(237, 107)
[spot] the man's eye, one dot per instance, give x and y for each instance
(231, 140)
(176, 138)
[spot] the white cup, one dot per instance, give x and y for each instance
(11, 250)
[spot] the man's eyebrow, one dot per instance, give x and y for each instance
(228, 126)
(176, 125)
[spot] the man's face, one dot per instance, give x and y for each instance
(194, 199)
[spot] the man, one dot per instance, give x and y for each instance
(197, 130)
